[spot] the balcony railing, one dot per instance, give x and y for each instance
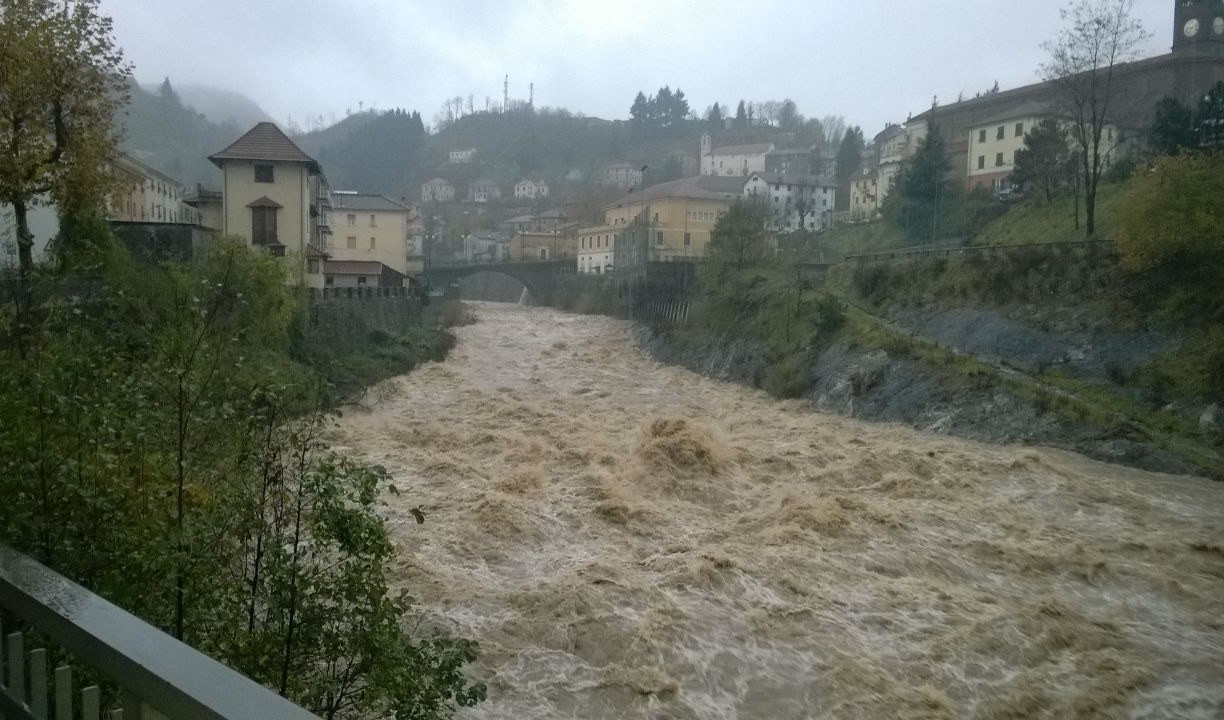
(157, 677)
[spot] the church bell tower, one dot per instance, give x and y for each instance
(1198, 27)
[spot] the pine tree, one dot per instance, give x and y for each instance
(715, 117)
(1045, 161)
(741, 116)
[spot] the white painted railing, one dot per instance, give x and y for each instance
(156, 676)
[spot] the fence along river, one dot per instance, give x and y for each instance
(631, 540)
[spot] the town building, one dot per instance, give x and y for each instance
(1186, 73)
(620, 175)
(530, 189)
(360, 274)
(993, 145)
(483, 191)
(596, 249)
(741, 160)
(518, 223)
(670, 222)
(545, 244)
(42, 220)
(462, 157)
(796, 202)
(687, 164)
(794, 161)
(208, 204)
(370, 227)
(864, 194)
(145, 195)
(271, 193)
(437, 190)
(483, 247)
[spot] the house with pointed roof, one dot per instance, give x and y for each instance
(370, 228)
(731, 160)
(274, 196)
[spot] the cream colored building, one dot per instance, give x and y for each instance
(272, 195)
(621, 175)
(208, 203)
(369, 227)
(146, 195)
(677, 216)
(864, 195)
(596, 246)
(993, 144)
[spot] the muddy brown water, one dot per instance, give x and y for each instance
(632, 540)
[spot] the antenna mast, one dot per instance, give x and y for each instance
(506, 94)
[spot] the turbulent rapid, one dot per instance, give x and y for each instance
(632, 540)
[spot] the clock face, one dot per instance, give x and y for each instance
(1191, 27)
(1217, 26)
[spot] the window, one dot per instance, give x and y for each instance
(658, 238)
(981, 161)
(981, 136)
(372, 221)
(371, 243)
(656, 217)
(688, 239)
(998, 159)
(312, 266)
(263, 225)
(329, 280)
(352, 219)
(999, 134)
(352, 242)
(1019, 129)
(263, 173)
(361, 280)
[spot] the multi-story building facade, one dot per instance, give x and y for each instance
(465, 156)
(864, 194)
(437, 190)
(672, 221)
(795, 202)
(596, 249)
(733, 160)
(145, 195)
(620, 175)
(370, 227)
(271, 193)
(530, 189)
(993, 144)
(208, 204)
(483, 191)
(794, 161)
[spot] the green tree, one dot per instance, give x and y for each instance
(1098, 36)
(849, 160)
(1172, 127)
(789, 118)
(740, 238)
(741, 116)
(922, 194)
(714, 118)
(63, 81)
(1045, 161)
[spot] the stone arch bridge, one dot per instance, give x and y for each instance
(538, 276)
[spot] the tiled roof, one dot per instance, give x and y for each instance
(754, 149)
(702, 187)
(265, 141)
(264, 201)
(796, 179)
(352, 267)
(365, 201)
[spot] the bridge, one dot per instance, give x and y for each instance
(538, 276)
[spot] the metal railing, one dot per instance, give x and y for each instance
(157, 677)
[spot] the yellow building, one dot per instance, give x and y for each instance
(274, 196)
(678, 215)
(369, 227)
(145, 195)
(993, 144)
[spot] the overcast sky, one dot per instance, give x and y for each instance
(306, 58)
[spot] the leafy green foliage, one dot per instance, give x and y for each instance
(920, 201)
(161, 447)
(1172, 127)
(664, 110)
(1045, 162)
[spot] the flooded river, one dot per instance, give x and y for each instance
(631, 540)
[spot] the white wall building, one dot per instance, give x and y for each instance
(621, 175)
(530, 189)
(462, 157)
(596, 249)
(437, 190)
(796, 202)
(741, 160)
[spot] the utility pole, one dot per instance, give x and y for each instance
(506, 94)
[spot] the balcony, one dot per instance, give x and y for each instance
(149, 675)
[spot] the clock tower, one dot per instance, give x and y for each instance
(1198, 27)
